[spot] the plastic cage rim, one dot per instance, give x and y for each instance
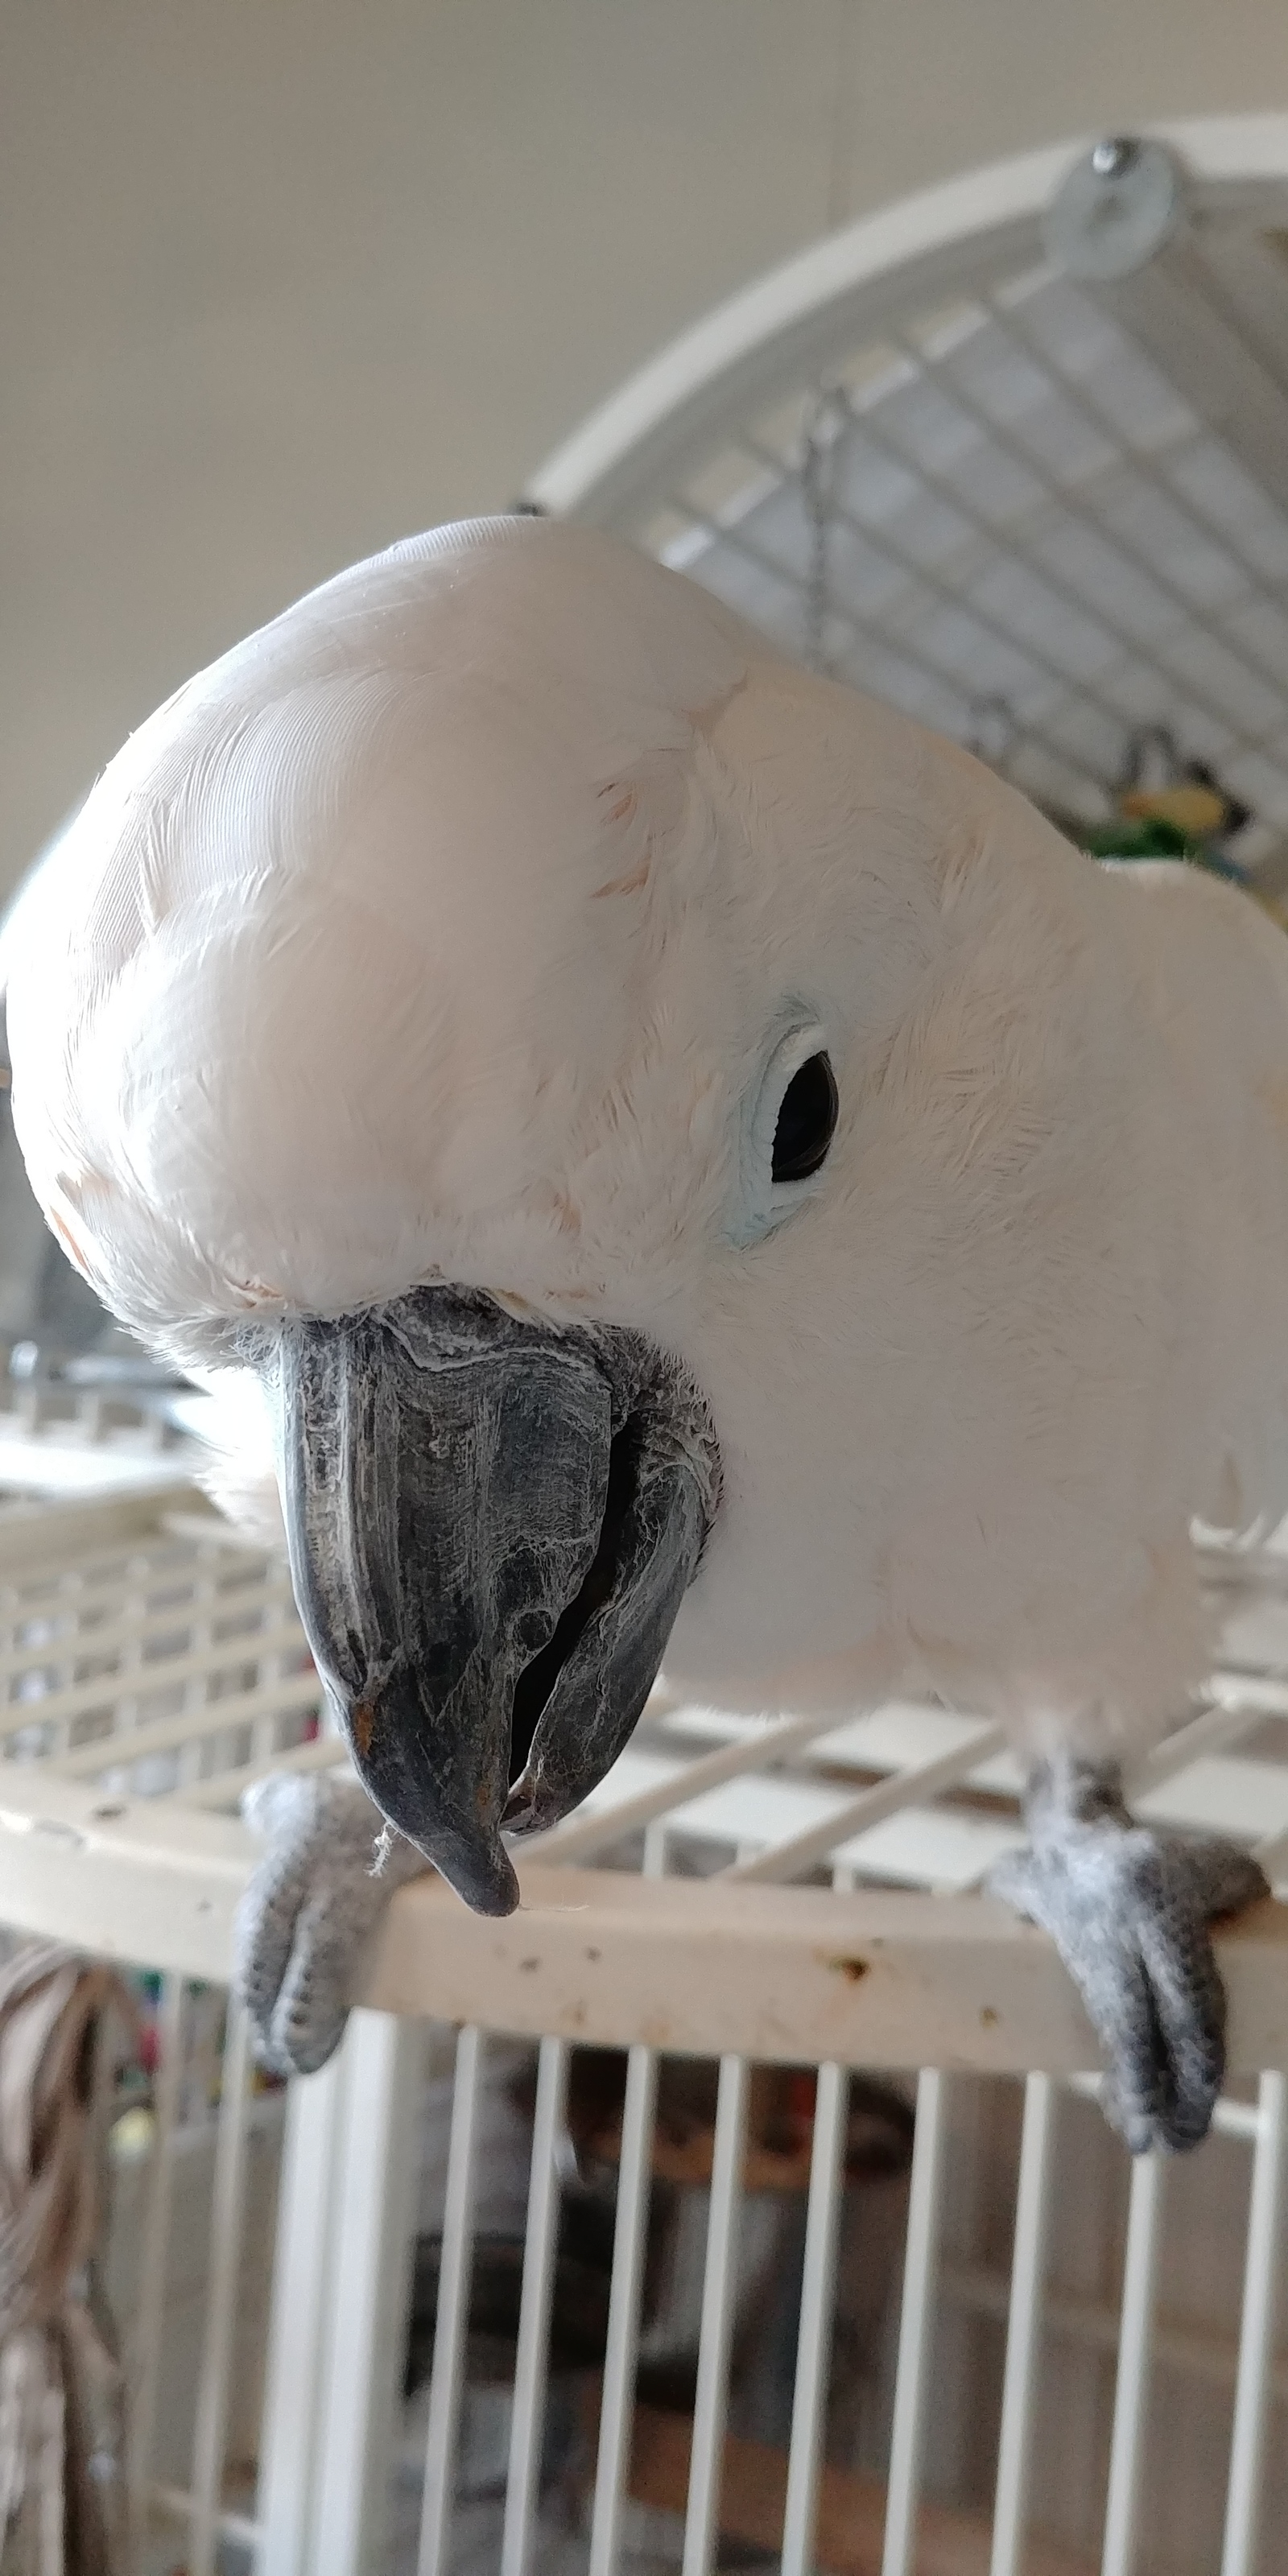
(773, 335)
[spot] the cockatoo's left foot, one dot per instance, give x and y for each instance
(329, 1869)
(1129, 1909)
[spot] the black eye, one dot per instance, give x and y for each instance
(806, 1120)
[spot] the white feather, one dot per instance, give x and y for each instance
(439, 932)
(240, 1469)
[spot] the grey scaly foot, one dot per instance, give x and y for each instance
(329, 1869)
(1129, 1909)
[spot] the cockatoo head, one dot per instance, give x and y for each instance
(460, 1004)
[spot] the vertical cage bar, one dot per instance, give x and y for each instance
(634, 2174)
(221, 2313)
(623, 2309)
(1028, 2264)
(1244, 2496)
(916, 2325)
(452, 2319)
(125, 1712)
(145, 2357)
(814, 2337)
(298, 2322)
(1131, 2394)
(719, 2291)
(201, 1633)
(540, 2248)
(370, 2234)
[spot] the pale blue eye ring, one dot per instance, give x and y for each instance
(762, 1202)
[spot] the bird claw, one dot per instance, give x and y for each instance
(314, 1900)
(1129, 1909)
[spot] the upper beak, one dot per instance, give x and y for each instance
(491, 1526)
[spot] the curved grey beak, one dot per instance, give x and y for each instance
(491, 1525)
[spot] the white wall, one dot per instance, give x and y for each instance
(281, 279)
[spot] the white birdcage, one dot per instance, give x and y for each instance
(796, 2329)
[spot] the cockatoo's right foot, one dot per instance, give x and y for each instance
(1129, 1909)
(313, 1903)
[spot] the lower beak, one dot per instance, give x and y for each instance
(492, 1524)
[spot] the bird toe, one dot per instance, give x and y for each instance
(308, 1914)
(1130, 1911)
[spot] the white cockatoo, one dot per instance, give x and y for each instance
(697, 1166)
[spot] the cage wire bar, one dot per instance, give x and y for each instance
(954, 474)
(299, 2313)
(813, 2349)
(528, 2414)
(1256, 2336)
(369, 2228)
(916, 2327)
(336, 2471)
(452, 2311)
(1032, 2214)
(1134, 2352)
(1112, 648)
(776, 1796)
(638, 2107)
(150, 2315)
(706, 2458)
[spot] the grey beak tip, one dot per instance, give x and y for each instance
(497, 1894)
(482, 1874)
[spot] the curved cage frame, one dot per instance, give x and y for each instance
(787, 328)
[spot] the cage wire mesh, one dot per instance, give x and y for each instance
(629, 2305)
(550, 2290)
(1005, 515)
